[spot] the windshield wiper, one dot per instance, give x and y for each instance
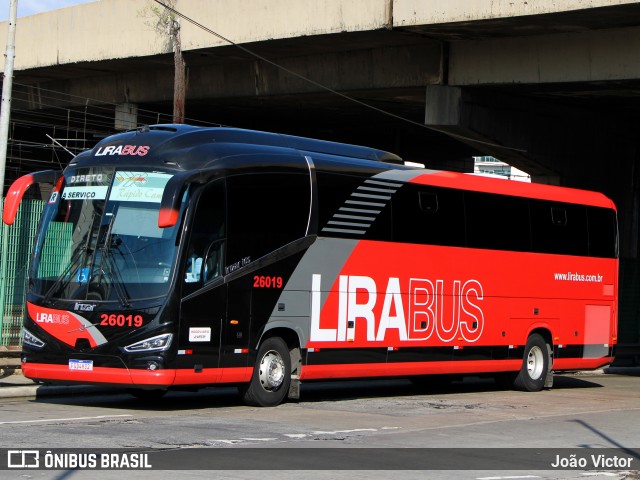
(64, 278)
(62, 281)
(114, 270)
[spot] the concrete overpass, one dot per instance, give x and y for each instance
(552, 86)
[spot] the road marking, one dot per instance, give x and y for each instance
(508, 478)
(355, 430)
(99, 417)
(604, 474)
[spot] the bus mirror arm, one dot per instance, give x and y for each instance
(20, 186)
(172, 195)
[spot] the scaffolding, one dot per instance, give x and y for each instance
(17, 241)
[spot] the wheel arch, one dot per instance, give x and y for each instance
(544, 332)
(291, 334)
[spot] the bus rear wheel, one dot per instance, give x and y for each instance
(271, 377)
(535, 365)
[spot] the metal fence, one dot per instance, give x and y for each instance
(17, 241)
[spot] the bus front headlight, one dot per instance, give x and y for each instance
(30, 339)
(153, 344)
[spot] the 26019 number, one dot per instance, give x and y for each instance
(113, 320)
(264, 281)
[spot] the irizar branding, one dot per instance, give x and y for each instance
(430, 311)
(84, 307)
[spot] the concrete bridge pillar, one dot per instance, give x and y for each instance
(126, 116)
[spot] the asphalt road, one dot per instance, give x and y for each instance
(343, 422)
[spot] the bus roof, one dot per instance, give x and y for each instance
(166, 139)
(189, 147)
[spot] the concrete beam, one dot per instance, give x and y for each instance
(596, 55)
(408, 67)
(117, 29)
(408, 13)
(120, 29)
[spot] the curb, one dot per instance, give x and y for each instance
(40, 391)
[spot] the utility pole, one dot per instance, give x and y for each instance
(7, 83)
(167, 23)
(179, 80)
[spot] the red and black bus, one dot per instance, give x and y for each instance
(175, 256)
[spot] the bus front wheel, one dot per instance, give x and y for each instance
(271, 377)
(535, 365)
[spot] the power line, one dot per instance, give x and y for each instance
(50, 96)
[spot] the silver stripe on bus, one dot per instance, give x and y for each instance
(349, 224)
(354, 217)
(344, 230)
(384, 183)
(370, 204)
(369, 195)
(359, 210)
(381, 190)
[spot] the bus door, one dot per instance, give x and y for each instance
(203, 308)
(236, 330)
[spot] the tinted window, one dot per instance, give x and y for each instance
(603, 232)
(497, 222)
(429, 215)
(266, 211)
(559, 228)
(204, 258)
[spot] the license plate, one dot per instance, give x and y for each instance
(80, 364)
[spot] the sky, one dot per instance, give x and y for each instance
(31, 7)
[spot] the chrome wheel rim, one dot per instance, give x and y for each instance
(272, 371)
(535, 362)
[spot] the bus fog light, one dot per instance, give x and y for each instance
(153, 344)
(30, 339)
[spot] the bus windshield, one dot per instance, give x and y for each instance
(100, 240)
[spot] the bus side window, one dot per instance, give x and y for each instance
(497, 222)
(559, 228)
(205, 249)
(266, 212)
(213, 262)
(428, 215)
(603, 232)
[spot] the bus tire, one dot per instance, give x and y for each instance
(535, 365)
(271, 377)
